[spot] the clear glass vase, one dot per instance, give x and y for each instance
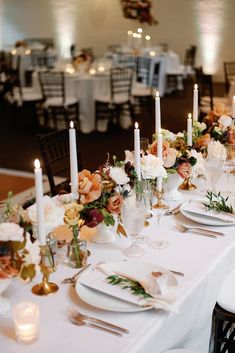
(77, 253)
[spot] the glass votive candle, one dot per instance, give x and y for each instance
(26, 321)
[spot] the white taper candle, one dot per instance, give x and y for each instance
(157, 114)
(137, 150)
(189, 130)
(159, 155)
(195, 103)
(73, 161)
(41, 234)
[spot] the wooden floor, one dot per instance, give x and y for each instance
(14, 183)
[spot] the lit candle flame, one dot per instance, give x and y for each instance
(71, 124)
(147, 37)
(37, 163)
(136, 125)
(129, 33)
(189, 115)
(157, 94)
(195, 86)
(233, 98)
(139, 30)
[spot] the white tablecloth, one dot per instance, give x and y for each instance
(204, 262)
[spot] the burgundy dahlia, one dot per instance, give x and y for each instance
(93, 218)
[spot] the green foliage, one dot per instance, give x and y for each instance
(126, 283)
(216, 202)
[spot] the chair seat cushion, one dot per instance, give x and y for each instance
(226, 298)
(30, 96)
(118, 99)
(139, 89)
(58, 102)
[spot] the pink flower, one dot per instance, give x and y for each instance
(89, 186)
(115, 203)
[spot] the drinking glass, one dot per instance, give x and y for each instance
(213, 171)
(144, 144)
(144, 194)
(229, 163)
(133, 218)
(158, 212)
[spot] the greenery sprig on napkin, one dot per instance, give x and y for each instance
(126, 283)
(216, 202)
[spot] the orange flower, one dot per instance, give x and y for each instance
(184, 170)
(202, 141)
(165, 148)
(221, 109)
(89, 186)
(115, 203)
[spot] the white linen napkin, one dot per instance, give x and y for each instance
(198, 208)
(162, 287)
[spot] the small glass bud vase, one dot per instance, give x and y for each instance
(77, 253)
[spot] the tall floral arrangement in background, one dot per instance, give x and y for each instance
(139, 10)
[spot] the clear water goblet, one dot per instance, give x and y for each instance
(213, 171)
(133, 218)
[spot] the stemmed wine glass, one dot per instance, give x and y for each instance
(213, 171)
(133, 218)
(158, 212)
(229, 163)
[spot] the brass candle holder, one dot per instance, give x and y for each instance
(187, 185)
(159, 203)
(45, 287)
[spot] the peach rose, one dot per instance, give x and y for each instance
(221, 109)
(184, 170)
(202, 141)
(153, 148)
(89, 186)
(115, 203)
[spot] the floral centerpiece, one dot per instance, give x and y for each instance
(216, 126)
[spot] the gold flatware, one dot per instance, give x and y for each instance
(77, 315)
(199, 232)
(74, 277)
(80, 322)
(204, 230)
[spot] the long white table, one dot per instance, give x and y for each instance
(204, 262)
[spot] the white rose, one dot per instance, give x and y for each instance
(152, 167)
(225, 121)
(199, 168)
(33, 256)
(11, 232)
(119, 175)
(216, 150)
(53, 214)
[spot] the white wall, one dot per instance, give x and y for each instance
(207, 23)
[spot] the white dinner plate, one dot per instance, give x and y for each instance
(107, 302)
(202, 218)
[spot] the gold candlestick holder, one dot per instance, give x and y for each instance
(45, 287)
(159, 203)
(187, 185)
